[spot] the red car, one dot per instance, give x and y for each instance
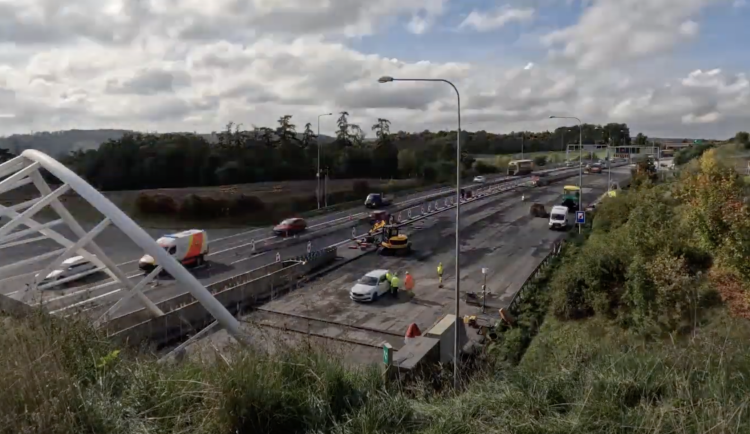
(290, 226)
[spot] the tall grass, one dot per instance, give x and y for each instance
(585, 376)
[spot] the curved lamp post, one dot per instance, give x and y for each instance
(456, 343)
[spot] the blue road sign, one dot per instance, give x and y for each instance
(580, 217)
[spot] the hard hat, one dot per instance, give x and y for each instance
(407, 272)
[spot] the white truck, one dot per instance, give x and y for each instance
(558, 217)
(189, 248)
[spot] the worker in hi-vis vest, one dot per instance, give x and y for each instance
(388, 278)
(440, 275)
(395, 282)
(408, 282)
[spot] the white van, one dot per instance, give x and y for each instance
(558, 217)
(189, 248)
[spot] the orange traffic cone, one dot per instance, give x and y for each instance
(412, 332)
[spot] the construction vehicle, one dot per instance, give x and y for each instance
(520, 167)
(571, 197)
(393, 242)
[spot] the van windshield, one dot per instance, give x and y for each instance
(558, 217)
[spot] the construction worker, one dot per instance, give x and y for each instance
(408, 282)
(440, 274)
(388, 278)
(395, 282)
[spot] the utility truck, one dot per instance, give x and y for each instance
(189, 248)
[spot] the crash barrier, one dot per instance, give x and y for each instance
(534, 277)
(496, 189)
(185, 315)
(426, 201)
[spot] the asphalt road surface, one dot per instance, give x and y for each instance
(230, 254)
(497, 233)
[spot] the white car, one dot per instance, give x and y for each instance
(370, 286)
(558, 217)
(480, 179)
(75, 266)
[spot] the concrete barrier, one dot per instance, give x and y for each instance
(234, 293)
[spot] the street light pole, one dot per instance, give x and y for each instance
(580, 160)
(317, 175)
(456, 342)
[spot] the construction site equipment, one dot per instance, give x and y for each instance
(394, 242)
(520, 167)
(571, 195)
(537, 210)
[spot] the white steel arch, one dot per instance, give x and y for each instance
(25, 170)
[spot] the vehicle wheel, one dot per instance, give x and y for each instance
(199, 261)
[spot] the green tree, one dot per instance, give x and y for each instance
(382, 131)
(742, 138)
(343, 135)
(308, 136)
(641, 139)
(407, 162)
(286, 130)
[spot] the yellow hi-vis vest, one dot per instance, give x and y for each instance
(388, 276)
(395, 282)
(440, 269)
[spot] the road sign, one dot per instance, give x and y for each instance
(252, 245)
(309, 246)
(408, 213)
(278, 257)
(387, 353)
(429, 207)
(354, 232)
(580, 217)
(422, 209)
(399, 216)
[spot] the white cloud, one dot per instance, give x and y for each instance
(155, 79)
(485, 22)
(615, 31)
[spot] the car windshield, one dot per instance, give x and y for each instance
(558, 216)
(287, 222)
(368, 281)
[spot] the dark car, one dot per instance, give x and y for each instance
(375, 200)
(290, 226)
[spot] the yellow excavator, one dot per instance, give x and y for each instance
(394, 243)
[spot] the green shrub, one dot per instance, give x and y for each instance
(484, 168)
(540, 160)
(156, 203)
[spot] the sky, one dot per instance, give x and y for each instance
(667, 68)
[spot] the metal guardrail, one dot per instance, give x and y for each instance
(518, 298)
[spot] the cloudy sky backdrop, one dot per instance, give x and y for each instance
(669, 68)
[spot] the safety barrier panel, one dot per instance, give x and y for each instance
(518, 298)
(183, 314)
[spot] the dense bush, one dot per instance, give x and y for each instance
(540, 160)
(683, 156)
(658, 252)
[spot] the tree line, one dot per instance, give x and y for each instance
(237, 155)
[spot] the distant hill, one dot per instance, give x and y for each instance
(60, 143)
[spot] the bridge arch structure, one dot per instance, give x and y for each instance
(20, 228)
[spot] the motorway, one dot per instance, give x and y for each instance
(230, 254)
(496, 233)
